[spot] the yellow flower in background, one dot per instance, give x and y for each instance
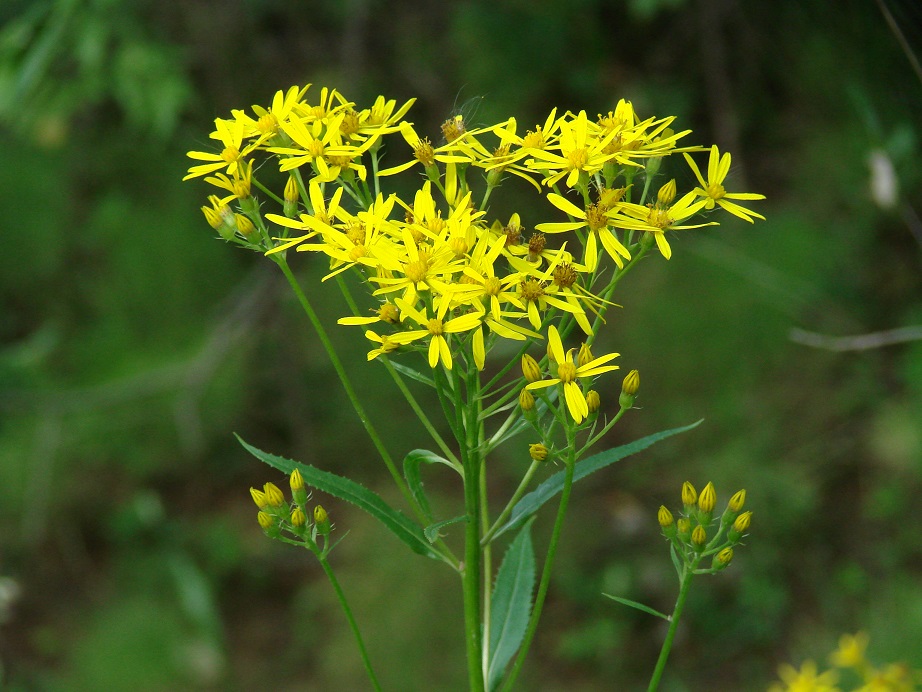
(568, 374)
(713, 190)
(230, 134)
(851, 651)
(807, 679)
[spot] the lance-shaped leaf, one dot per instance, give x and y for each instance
(411, 464)
(533, 501)
(399, 524)
(511, 605)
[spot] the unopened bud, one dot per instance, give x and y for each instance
(722, 559)
(736, 502)
(526, 400)
(538, 451)
(244, 225)
(585, 355)
(707, 499)
(699, 537)
(298, 493)
(664, 517)
(667, 193)
(629, 388)
(740, 526)
(689, 495)
(291, 197)
(593, 400)
(684, 527)
(298, 518)
(530, 368)
(266, 521)
(274, 496)
(322, 521)
(259, 497)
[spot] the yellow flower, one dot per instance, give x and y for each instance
(805, 680)
(568, 374)
(850, 653)
(581, 152)
(658, 219)
(230, 134)
(426, 154)
(713, 190)
(597, 221)
(436, 329)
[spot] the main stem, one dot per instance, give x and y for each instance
(673, 625)
(467, 426)
(352, 623)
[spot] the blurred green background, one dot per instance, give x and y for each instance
(132, 344)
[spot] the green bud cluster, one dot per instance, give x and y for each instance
(697, 534)
(289, 521)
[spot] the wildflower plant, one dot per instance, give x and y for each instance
(496, 317)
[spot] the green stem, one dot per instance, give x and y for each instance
(548, 563)
(673, 625)
(352, 623)
(344, 378)
(470, 458)
(516, 496)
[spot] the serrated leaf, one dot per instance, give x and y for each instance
(431, 532)
(411, 465)
(638, 606)
(533, 501)
(511, 605)
(396, 521)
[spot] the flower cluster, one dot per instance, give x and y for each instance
(689, 535)
(850, 664)
(446, 277)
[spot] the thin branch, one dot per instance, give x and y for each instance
(859, 342)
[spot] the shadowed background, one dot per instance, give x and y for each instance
(132, 344)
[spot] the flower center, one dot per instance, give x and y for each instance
(532, 289)
(659, 218)
(513, 234)
(566, 372)
(595, 217)
(268, 124)
(578, 158)
(536, 246)
(435, 327)
(492, 286)
(350, 124)
(424, 152)
(716, 191)
(416, 271)
(230, 154)
(564, 275)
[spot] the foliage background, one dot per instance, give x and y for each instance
(132, 344)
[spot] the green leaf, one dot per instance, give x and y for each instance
(431, 532)
(411, 464)
(533, 501)
(511, 605)
(400, 524)
(412, 374)
(639, 606)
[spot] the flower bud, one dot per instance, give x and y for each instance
(266, 521)
(722, 559)
(664, 517)
(689, 495)
(684, 527)
(530, 368)
(244, 225)
(526, 400)
(740, 526)
(585, 355)
(291, 198)
(666, 193)
(538, 451)
(298, 518)
(707, 499)
(629, 388)
(322, 521)
(274, 496)
(699, 537)
(298, 493)
(593, 400)
(736, 502)
(259, 497)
